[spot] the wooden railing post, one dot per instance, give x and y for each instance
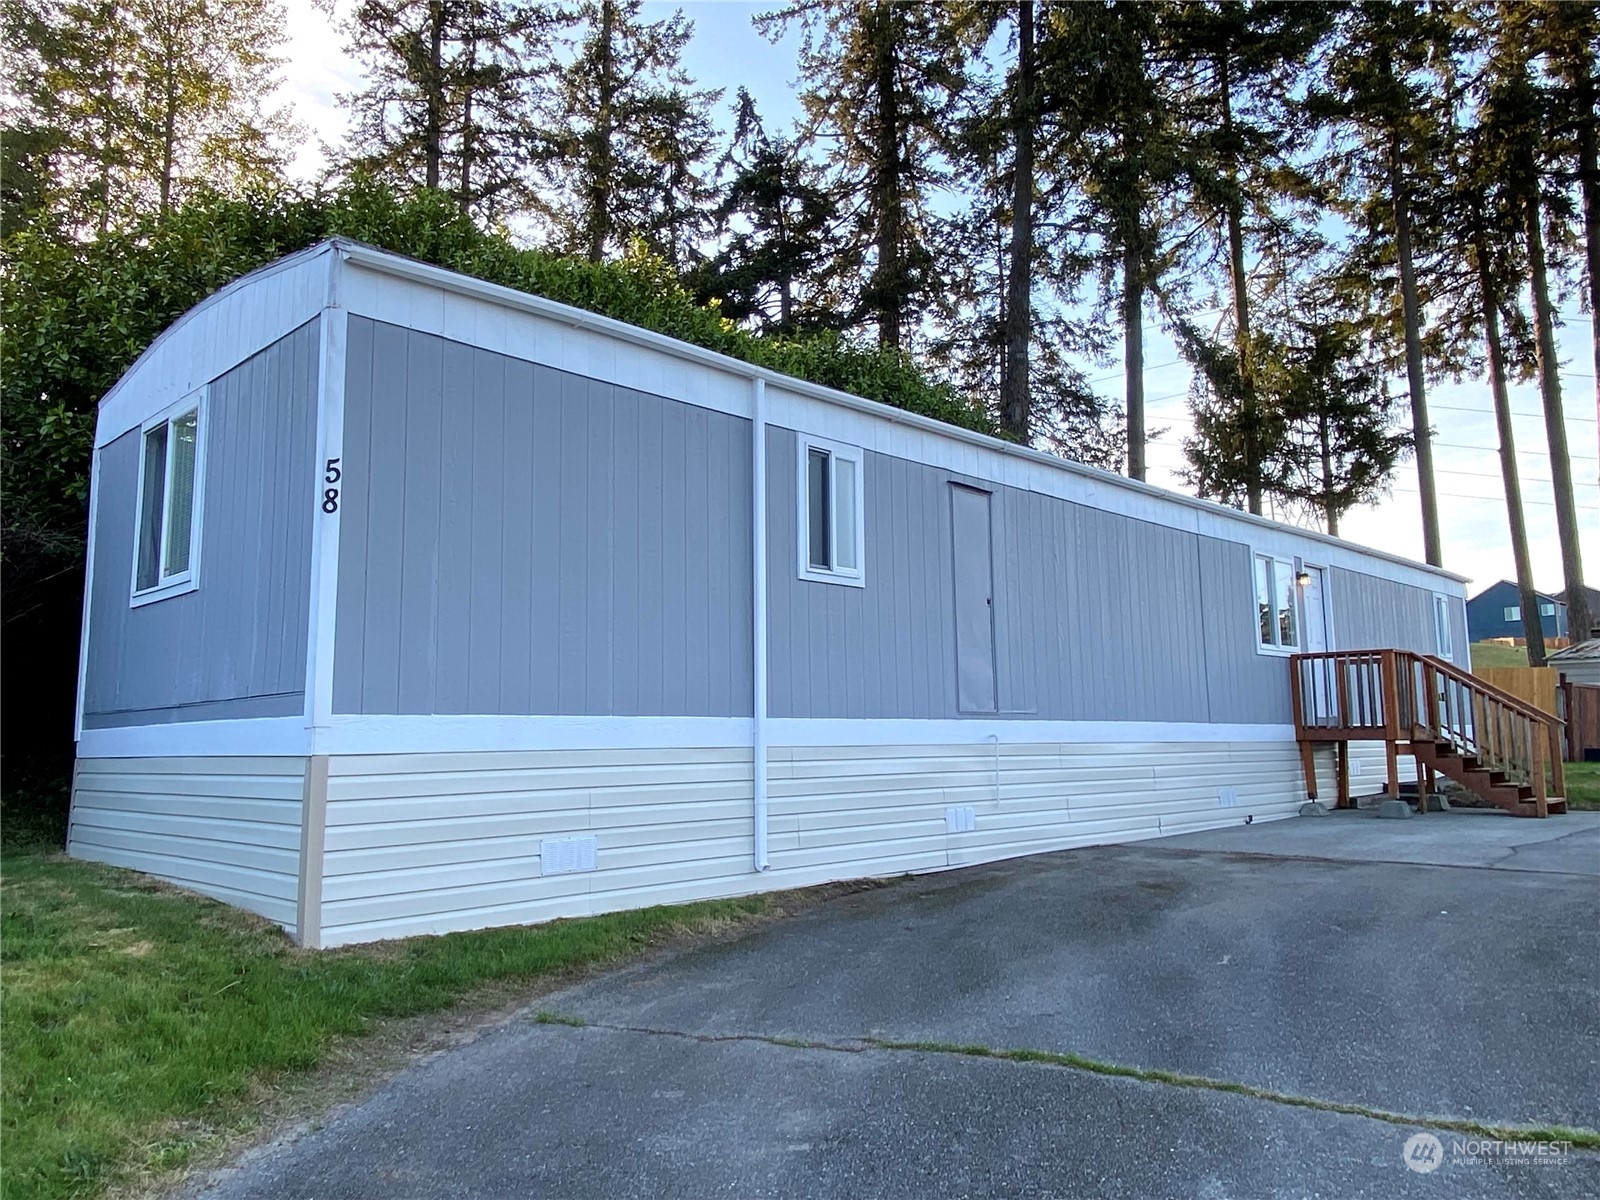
(1541, 797)
(1390, 677)
(1558, 773)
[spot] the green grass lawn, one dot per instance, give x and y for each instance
(1583, 786)
(141, 1023)
(1492, 654)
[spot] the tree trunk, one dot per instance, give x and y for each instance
(1578, 617)
(1589, 185)
(1420, 429)
(433, 136)
(1330, 510)
(1015, 394)
(1133, 355)
(169, 132)
(599, 202)
(887, 284)
(464, 195)
(1241, 298)
(1532, 626)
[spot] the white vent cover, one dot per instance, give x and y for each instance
(563, 856)
(961, 819)
(1227, 798)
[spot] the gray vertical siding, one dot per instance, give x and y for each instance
(236, 645)
(1097, 616)
(1372, 613)
(520, 540)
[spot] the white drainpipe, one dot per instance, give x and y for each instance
(758, 592)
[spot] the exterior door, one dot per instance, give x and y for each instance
(1316, 614)
(1321, 699)
(973, 561)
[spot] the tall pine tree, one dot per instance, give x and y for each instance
(626, 139)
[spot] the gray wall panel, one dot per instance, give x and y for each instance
(526, 540)
(236, 645)
(1097, 616)
(1373, 613)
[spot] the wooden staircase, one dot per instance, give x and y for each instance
(1452, 723)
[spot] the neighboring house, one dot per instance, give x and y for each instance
(1496, 612)
(419, 604)
(1579, 663)
(1594, 610)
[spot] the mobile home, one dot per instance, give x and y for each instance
(419, 604)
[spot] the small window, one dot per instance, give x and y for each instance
(1547, 609)
(831, 525)
(170, 481)
(1277, 605)
(1441, 626)
(1514, 612)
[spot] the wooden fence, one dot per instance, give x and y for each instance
(1583, 721)
(1532, 685)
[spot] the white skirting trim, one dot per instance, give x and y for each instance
(491, 734)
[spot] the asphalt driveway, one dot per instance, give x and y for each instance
(1259, 1012)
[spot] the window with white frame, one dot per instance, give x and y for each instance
(1547, 609)
(170, 476)
(1514, 612)
(831, 512)
(1441, 626)
(1277, 609)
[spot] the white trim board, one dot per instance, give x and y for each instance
(219, 333)
(431, 299)
(442, 734)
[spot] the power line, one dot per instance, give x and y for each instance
(1496, 450)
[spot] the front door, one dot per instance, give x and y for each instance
(1316, 614)
(973, 558)
(1321, 699)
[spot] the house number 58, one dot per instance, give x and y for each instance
(330, 495)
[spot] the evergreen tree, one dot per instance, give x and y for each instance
(625, 139)
(1244, 64)
(1518, 104)
(1388, 97)
(877, 78)
(1124, 154)
(449, 101)
(122, 105)
(774, 223)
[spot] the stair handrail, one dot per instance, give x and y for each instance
(1515, 703)
(1412, 692)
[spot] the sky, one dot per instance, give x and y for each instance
(726, 52)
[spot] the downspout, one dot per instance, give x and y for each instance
(758, 593)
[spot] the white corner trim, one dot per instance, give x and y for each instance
(322, 621)
(88, 594)
(268, 737)
(758, 596)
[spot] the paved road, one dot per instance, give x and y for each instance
(1439, 967)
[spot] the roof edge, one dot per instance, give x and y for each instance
(388, 262)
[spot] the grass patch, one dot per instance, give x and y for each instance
(142, 1023)
(1493, 654)
(1583, 785)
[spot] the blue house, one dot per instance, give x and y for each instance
(419, 604)
(1496, 612)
